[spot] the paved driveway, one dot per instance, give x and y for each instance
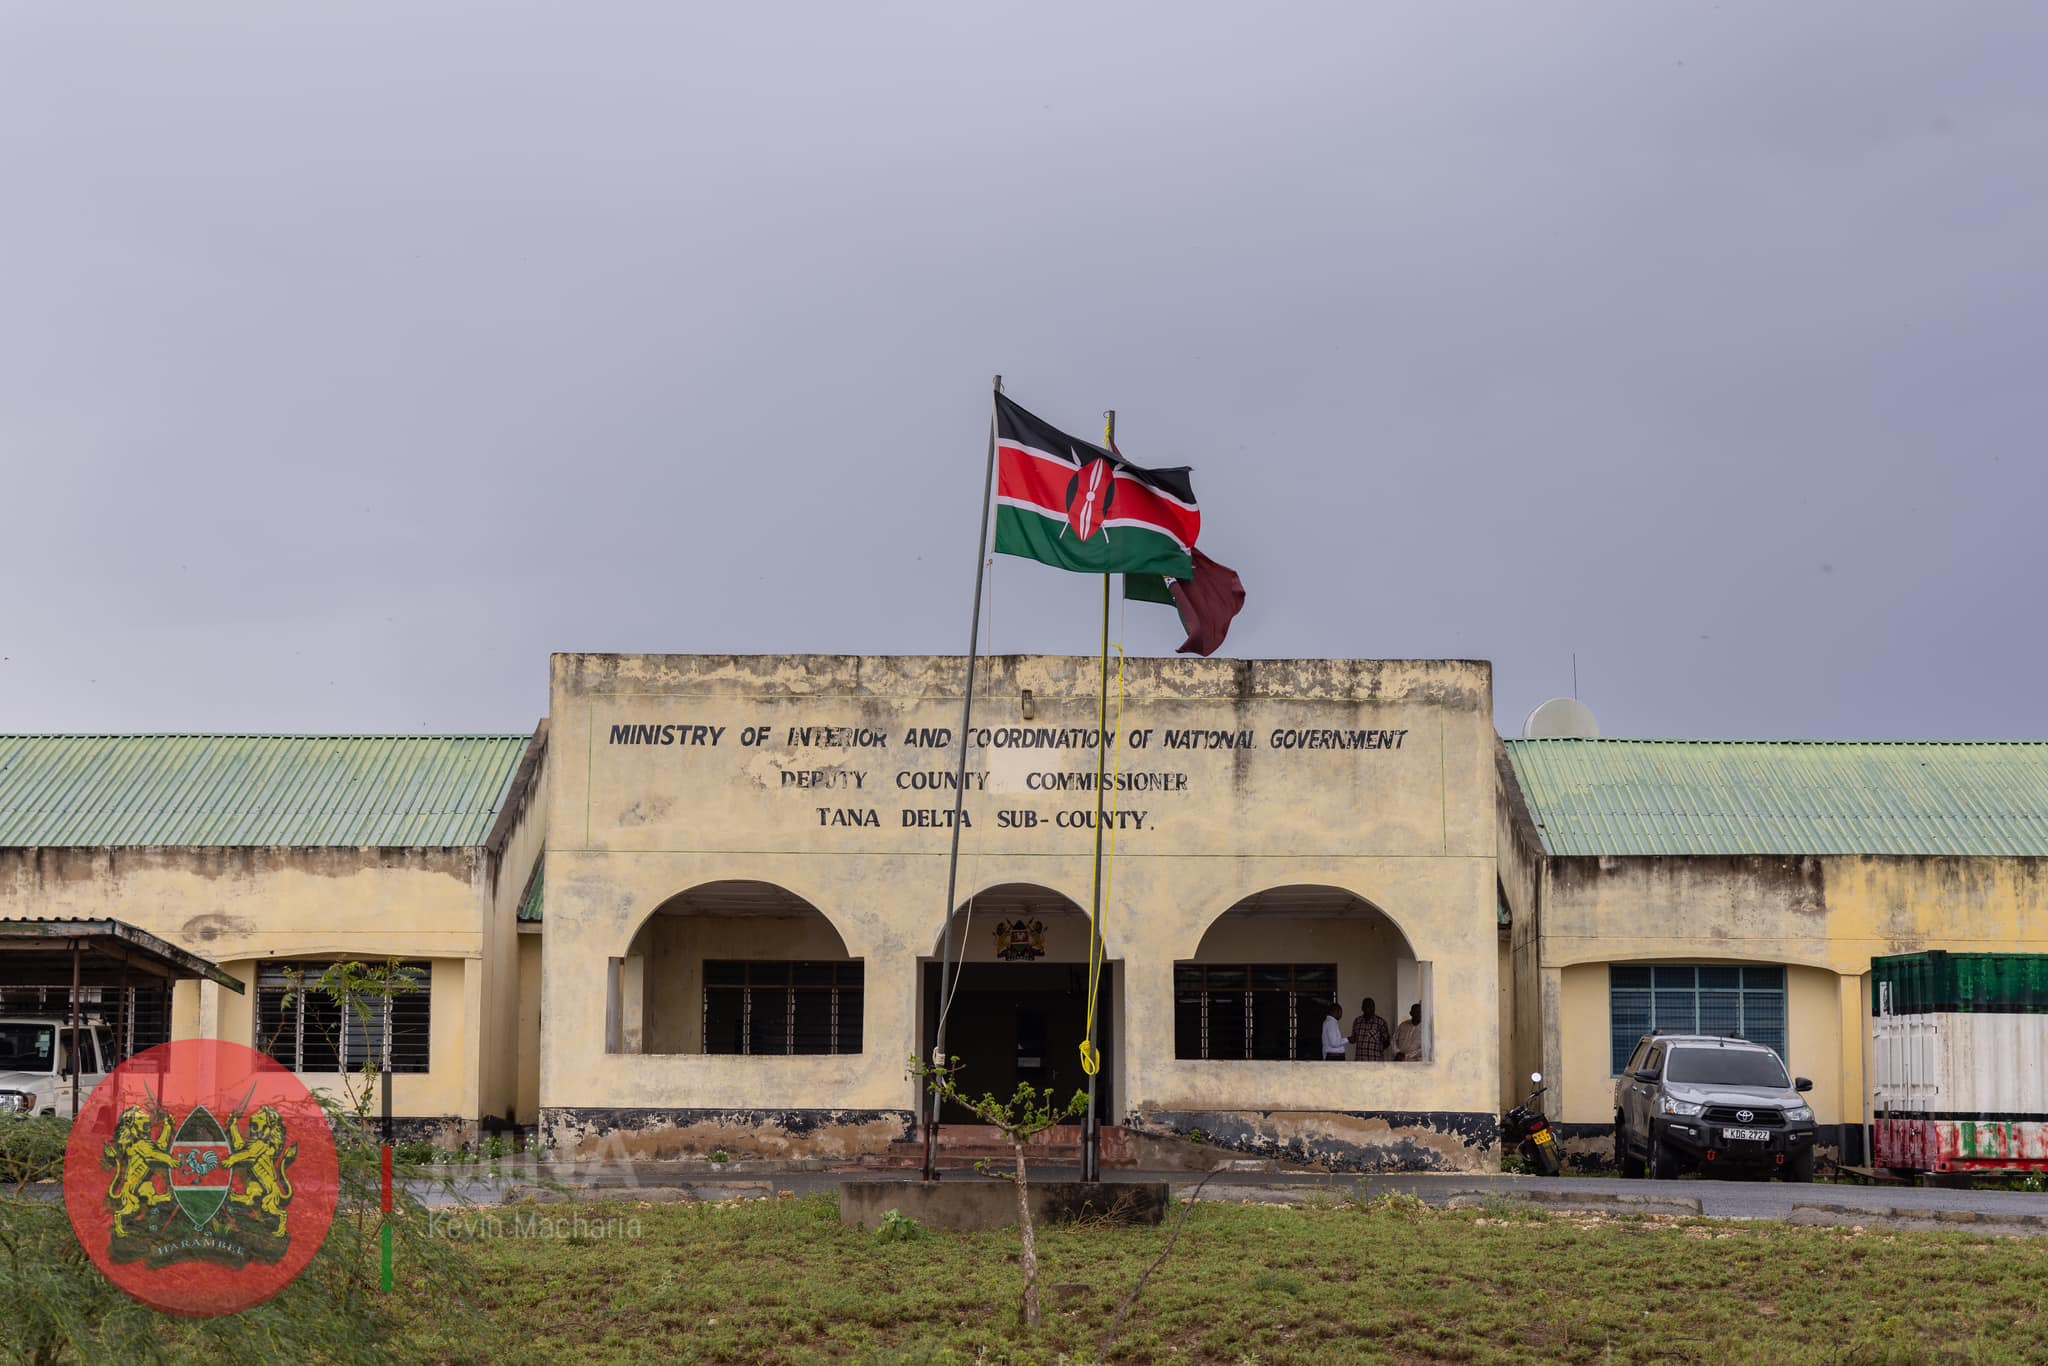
(1719, 1199)
(1716, 1198)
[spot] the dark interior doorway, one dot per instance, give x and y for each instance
(1014, 1022)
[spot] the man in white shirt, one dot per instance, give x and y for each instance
(1333, 1034)
(1408, 1036)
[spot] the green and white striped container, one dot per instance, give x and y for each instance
(1959, 1060)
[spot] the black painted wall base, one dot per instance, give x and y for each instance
(1343, 1140)
(443, 1131)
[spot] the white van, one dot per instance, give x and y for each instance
(35, 1064)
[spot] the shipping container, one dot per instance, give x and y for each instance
(1959, 1061)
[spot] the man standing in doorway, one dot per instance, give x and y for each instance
(1333, 1034)
(1408, 1036)
(1369, 1034)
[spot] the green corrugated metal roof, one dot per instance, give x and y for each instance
(350, 791)
(534, 899)
(1632, 797)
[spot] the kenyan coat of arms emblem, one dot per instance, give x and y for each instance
(1019, 940)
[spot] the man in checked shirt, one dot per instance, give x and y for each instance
(1369, 1035)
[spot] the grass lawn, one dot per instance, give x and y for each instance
(783, 1281)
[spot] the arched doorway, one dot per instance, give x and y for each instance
(737, 967)
(1018, 1007)
(1268, 970)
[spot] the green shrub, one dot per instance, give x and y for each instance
(32, 1149)
(898, 1227)
(56, 1307)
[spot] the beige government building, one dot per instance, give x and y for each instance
(702, 907)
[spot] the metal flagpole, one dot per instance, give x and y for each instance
(1091, 1128)
(938, 1059)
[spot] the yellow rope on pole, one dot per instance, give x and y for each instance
(1091, 1056)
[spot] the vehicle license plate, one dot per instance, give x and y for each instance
(1747, 1135)
(1541, 1135)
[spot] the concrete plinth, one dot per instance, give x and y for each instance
(968, 1206)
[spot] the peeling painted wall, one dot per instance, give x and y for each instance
(609, 1134)
(1531, 1038)
(676, 797)
(513, 849)
(1380, 1141)
(240, 906)
(528, 1048)
(1823, 917)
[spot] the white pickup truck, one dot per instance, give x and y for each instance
(35, 1064)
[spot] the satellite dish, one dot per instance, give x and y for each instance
(1561, 718)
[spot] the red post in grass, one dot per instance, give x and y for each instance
(385, 1232)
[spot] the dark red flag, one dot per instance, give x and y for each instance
(1207, 602)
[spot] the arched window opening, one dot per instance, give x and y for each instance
(741, 968)
(1274, 967)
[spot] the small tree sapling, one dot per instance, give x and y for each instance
(1026, 1114)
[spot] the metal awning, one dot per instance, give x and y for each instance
(108, 953)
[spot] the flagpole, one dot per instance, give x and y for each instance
(938, 1059)
(1091, 1128)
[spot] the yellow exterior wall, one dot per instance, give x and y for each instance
(185, 1010)
(1528, 987)
(238, 907)
(1583, 1087)
(1853, 1029)
(1509, 1068)
(1823, 918)
(1409, 830)
(528, 1096)
(523, 837)
(675, 948)
(1813, 1029)
(1813, 1025)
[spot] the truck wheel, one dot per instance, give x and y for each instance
(1663, 1165)
(1799, 1166)
(1625, 1159)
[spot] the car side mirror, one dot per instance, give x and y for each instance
(1645, 1074)
(1802, 1083)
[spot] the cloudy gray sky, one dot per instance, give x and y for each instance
(355, 356)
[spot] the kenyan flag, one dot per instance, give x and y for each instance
(1077, 506)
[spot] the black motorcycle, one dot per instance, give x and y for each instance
(1526, 1130)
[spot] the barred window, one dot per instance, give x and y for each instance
(134, 1018)
(147, 1017)
(315, 1034)
(1733, 1001)
(782, 1008)
(1272, 1012)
